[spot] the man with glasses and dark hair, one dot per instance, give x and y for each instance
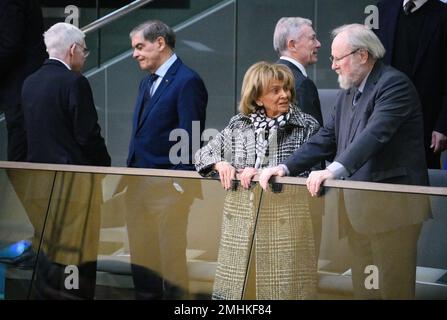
(374, 134)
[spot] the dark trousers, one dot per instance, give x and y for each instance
(394, 253)
(15, 124)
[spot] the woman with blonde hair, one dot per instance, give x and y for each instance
(267, 130)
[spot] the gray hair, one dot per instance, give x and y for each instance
(60, 37)
(286, 28)
(361, 37)
(153, 29)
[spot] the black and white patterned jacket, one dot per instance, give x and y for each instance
(236, 143)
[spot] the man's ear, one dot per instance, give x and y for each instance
(161, 43)
(72, 49)
(364, 55)
(290, 44)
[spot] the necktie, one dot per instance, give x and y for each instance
(408, 7)
(147, 94)
(153, 77)
(357, 96)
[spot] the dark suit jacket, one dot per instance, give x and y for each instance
(306, 92)
(180, 99)
(22, 50)
(384, 145)
(60, 118)
(430, 68)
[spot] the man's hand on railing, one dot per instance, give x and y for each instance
(316, 179)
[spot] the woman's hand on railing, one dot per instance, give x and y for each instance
(267, 173)
(246, 175)
(227, 173)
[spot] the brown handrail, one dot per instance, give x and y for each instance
(344, 184)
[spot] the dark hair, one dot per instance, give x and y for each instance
(153, 29)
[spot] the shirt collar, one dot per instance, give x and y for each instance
(417, 3)
(63, 62)
(296, 63)
(163, 69)
(363, 83)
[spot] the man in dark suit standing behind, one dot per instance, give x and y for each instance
(297, 45)
(374, 134)
(21, 52)
(414, 34)
(172, 99)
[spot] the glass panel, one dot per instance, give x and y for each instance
(369, 246)
(24, 199)
(127, 237)
(115, 36)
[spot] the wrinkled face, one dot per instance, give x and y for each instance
(346, 63)
(275, 99)
(148, 54)
(78, 57)
(307, 46)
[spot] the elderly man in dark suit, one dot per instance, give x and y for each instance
(172, 99)
(414, 34)
(62, 127)
(60, 116)
(296, 43)
(21, 52)
(375, 134)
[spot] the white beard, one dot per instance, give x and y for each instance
(348, 82)
(345, 82)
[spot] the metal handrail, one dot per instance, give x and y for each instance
(343, 184)
(97, 24)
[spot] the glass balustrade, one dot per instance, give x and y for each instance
(157, 234)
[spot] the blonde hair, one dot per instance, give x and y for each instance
(258, 78)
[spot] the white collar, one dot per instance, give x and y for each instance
(161, 71)
(363, 83)
(61, 61)
(296, 63)
(417, 3)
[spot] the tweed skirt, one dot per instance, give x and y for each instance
(278, 227)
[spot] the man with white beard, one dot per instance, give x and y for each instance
(374, 134)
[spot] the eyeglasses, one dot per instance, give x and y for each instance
(336, 60)
(85, 51)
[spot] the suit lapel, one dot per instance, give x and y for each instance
(363, 102)
(139, 105)
(165, 82)
(389, 18)
(430, 24)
